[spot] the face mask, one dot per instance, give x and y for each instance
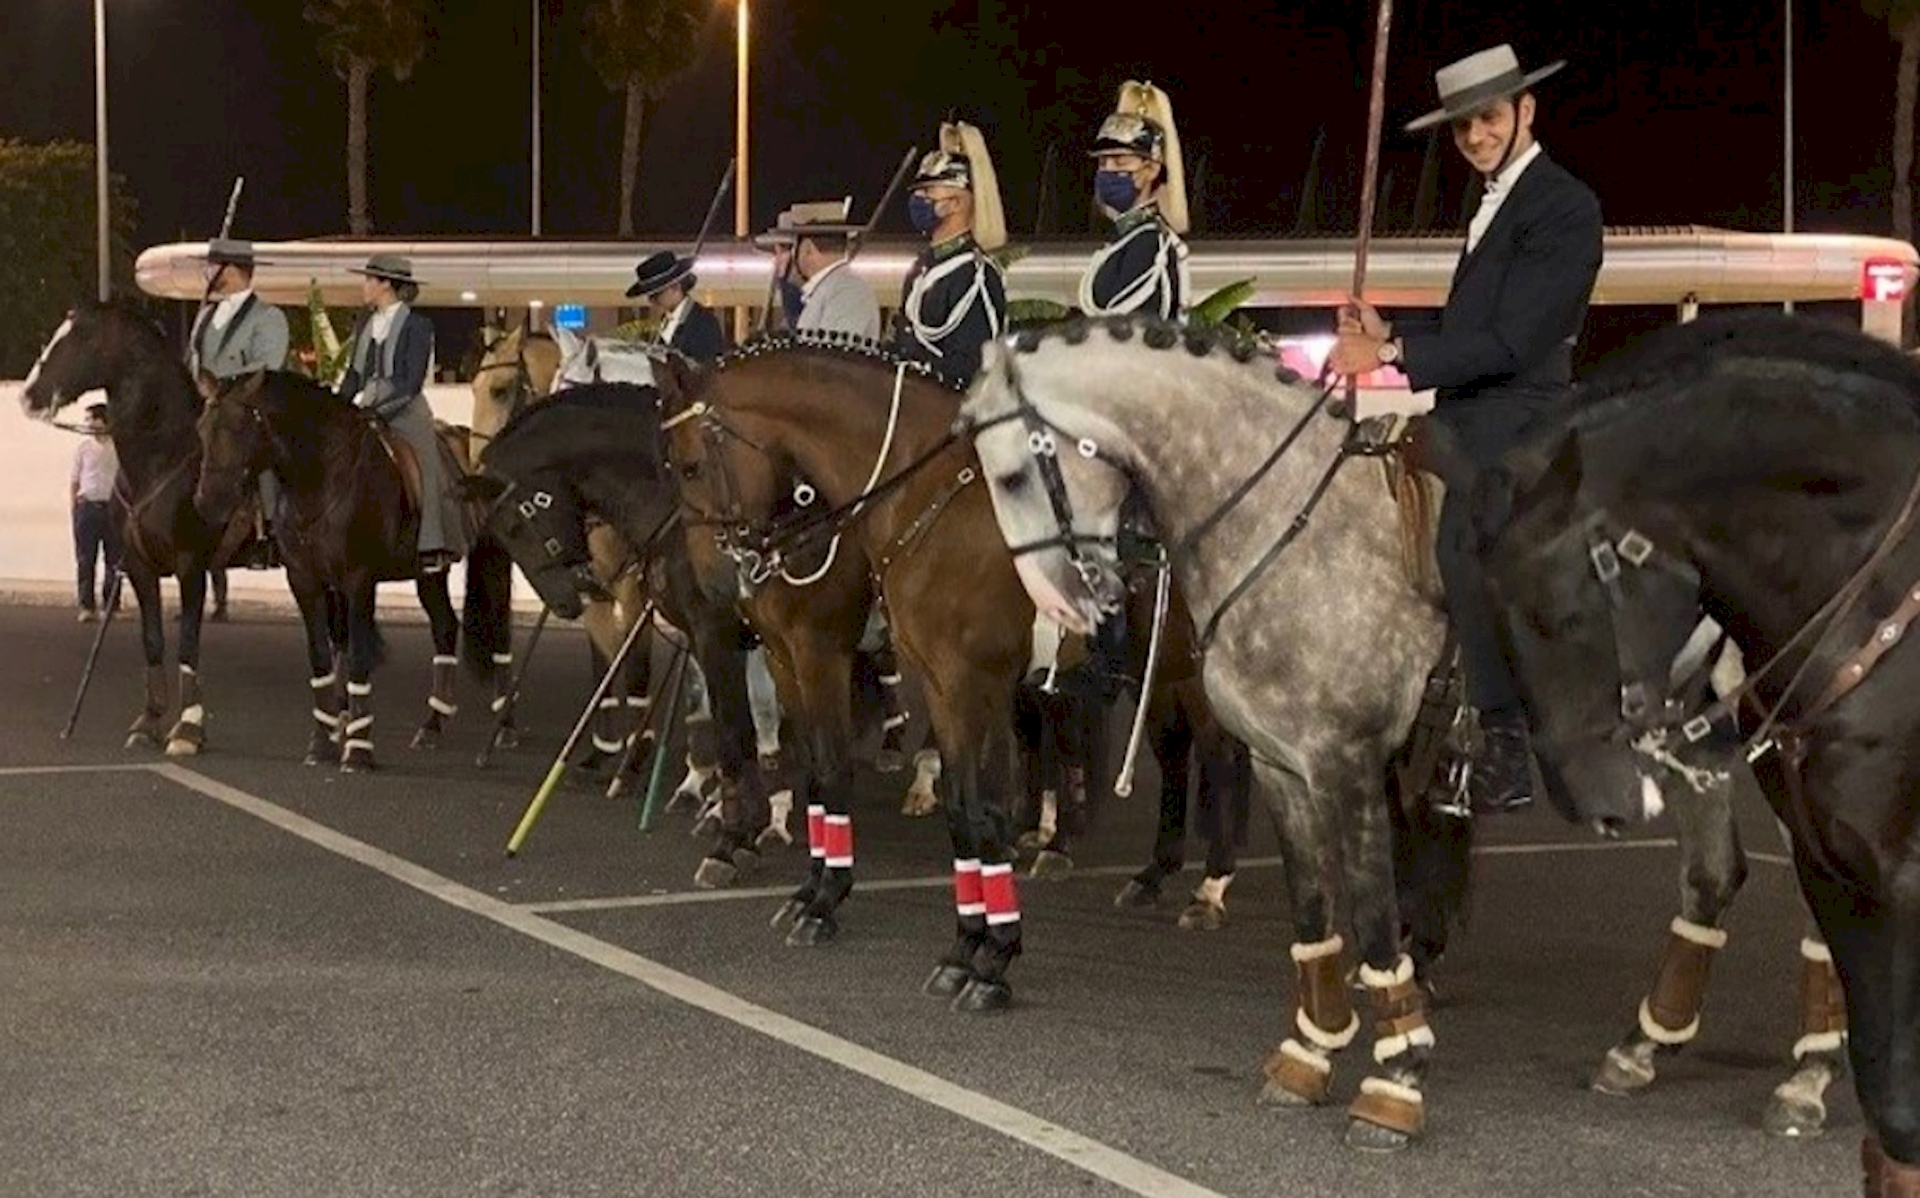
(791, 300)
(1116, 189)
(920, 210)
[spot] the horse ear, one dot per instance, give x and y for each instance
(482, 487)
(993, 358)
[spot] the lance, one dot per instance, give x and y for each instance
(713, 209)
(1376, 115)
(504, 706)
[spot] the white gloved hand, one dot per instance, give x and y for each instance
(364, 400)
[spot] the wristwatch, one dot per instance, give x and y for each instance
(1389, 351)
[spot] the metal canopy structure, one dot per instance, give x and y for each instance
(1643, 266)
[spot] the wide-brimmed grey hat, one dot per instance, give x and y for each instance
(822, 217)
(391, 267)
(1477, 80)
(225, 251)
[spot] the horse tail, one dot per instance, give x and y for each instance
(1432, 838)
(486, 616)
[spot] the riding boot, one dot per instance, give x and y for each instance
(1502, 777)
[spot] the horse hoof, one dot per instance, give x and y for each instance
(813, 931)
(746, 860)
(141, 740)
(680, 800)
(1621, 1074)
(771, 838)
(946, 981)
(1032, 841)
(425, 738)
(1371, 1137)
(715, 874)
(918, 803)
(1202, 917)
(706, 827)
(889, 761)
(788, 912)
(983, 998)
(507, 738)
(1137, 894)
(182, 746)
(1794, 1118)
(357, 765)
(313, 757)
(1051, 866)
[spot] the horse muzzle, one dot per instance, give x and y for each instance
(1075, 592)
(1605, 786)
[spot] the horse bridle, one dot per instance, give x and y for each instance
(522, 381)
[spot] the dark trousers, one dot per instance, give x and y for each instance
(94, 536)
(1484, 427)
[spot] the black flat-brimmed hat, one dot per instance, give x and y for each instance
(659, 272)
(1478, 80)
(224, 251)
(391, 267)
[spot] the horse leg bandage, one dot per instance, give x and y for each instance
(606, 725)
(1823, 1004)
(1400, 1029)
(838, 830)
(1670, 1014)
(997, 892)
(441, 700)
(817, 832)
(1323, 1016)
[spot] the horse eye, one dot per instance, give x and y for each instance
(1011, 482)
(690, 471)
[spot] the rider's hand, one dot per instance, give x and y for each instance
(1357, 316)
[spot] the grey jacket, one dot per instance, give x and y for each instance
(255, 339)
(841, 301)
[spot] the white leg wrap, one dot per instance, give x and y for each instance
(780, 805)
(893, 721)
(1814, 950)
(359, 724)
(359, 688)
(353, 743)
(1386, 1088)
(188, 670)
(1380, 979)
(195, 714)
(1322, 948)
(1661, 1035)
(1305, 1055)
(1323, 1039)
(324, 681)
(1049, 814)
(326, 717)
(1700, 934)
(608, 744)
(499, 704)
(445, 659)
(1213, 891)
(441, 705)
(890, 679)
(1819, 1042)
(503, 659)
(1386, 1049)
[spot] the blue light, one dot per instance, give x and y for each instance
(572, 317)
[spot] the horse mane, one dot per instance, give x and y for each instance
(1677, 356)
(845, 345)
(1154, 332)
(627, 398)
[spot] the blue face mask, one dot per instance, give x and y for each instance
(920, 210)
(1116, 189)
(791, 301)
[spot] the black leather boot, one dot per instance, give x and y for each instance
(1502, 778)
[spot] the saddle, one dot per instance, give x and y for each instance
(452, 441)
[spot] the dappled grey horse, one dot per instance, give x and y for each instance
(1318, 643)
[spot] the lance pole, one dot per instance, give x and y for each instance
(1376, 116)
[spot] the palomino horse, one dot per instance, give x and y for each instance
(352, 510)
(593, 451)
(151, 407)
(1761, 470)
(1064, 423)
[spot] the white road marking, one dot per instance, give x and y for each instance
(27, 771)
(1082, 1152)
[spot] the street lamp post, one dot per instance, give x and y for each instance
(105, 221)
(742, 175)
(1786, 206)
(536, 118)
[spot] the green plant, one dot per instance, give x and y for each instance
(321, 353)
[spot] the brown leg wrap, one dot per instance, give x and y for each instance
(1398, 1010)
(1296, 1076)
(1323, 995)
(1884, 1177)
(1674, 1001)
(1823, 1004)
(1390, 1111)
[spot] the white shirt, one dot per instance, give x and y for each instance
(382, 322)
(224, 311)
(808, 287)
(95, 466)
(1498, 188)
(675, 319)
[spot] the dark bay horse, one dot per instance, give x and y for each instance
(841, 416)
(349, 525)
(151, 406)
(594, 451)
(1765, 471)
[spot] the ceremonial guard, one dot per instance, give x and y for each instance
(239, 335)
(810, 243)
(1141, 185)
(666, 281)
(386, 377)
(955, 296)
(1500, 355)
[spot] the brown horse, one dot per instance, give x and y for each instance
(842, 415)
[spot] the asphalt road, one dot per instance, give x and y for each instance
(235, 975)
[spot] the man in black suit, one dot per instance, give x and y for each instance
(667, 282)
(1500, 355)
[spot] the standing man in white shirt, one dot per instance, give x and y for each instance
(90, 491)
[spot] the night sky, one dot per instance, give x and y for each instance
(1670, 110)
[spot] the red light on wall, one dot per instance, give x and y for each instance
(1882, 279)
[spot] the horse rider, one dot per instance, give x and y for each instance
(955, 297)
(1140, 184)
(236, 336)
(1500, 354)
(666, 282)
(386, 378)
(810, 244)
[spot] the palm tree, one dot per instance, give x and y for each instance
(359, 37)
(639, 47)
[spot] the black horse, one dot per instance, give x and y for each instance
(151, 409)
(1766, 471)
(350, 523)
(595, 450)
